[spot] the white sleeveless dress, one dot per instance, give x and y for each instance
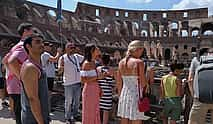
(128, 100)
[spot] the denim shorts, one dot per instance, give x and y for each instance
(172, 108)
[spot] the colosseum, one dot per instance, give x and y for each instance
(168, 35)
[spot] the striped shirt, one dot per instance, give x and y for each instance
(106, 85)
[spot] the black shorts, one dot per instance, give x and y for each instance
(2, 83)
(50, 82)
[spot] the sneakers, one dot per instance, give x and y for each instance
(77, 118)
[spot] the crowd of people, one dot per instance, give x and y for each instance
(29, 70)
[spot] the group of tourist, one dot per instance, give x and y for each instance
(30, 77)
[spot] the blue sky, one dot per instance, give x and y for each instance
(135, 4)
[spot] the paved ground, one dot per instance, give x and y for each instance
(57, 117)
(6, 117)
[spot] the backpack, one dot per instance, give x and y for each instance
(205, 79)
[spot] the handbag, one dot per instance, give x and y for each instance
(143, 102)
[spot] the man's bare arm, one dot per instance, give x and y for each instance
(30, 76)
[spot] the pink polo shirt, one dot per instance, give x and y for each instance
(13, 83)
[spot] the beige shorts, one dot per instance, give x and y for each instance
(198, 112)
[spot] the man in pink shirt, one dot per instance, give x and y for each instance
(13, 60)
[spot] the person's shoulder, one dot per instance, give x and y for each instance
(122, 61)
(86, 65)
(138, 61)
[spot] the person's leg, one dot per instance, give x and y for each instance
(17, 107)
(2, 93)
(124, 121)
(136, 122)
(211, 110)
(166, 110)
(50, 82)
(68, 101)
(198, 113)
(11, 103)
(165, 120)
(188, 104)
(105, 117)
(176, 110)
(76, 99)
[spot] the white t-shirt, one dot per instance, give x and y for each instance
(48, 66)
(71, 68)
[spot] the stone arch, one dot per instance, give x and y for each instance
(117, 29)
(51, 13)
(167, 54)
(155, 29)
(22, 11)
(195, 31)
(75, 23)
(185, 57)
(174, 25)
(5, 29)
(37, 12)
(184, 33)
(206, 27)
(144, 33)
(185, 24)
(129, 26)
(193, 49)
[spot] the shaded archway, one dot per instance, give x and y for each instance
(206, 27)
(167, 54)
(193, 49)
(195, 31)
(144, 33)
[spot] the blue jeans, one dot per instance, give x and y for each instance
(72, 100)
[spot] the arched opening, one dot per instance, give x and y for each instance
(135, 27)
(193, 49)
(207, 28)
(176, 47)
(185, 56)
(184, 33)
(208, 32)
(167, 54)
(185, 24)
(174, 25)
(144, 33)
(185, 47)
(155, 29)
(51, 13)
(195, 32)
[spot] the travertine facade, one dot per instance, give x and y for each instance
(169, 35)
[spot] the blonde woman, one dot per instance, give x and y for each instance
(130, 71)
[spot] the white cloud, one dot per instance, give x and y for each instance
(190, 4)
(139, 1)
